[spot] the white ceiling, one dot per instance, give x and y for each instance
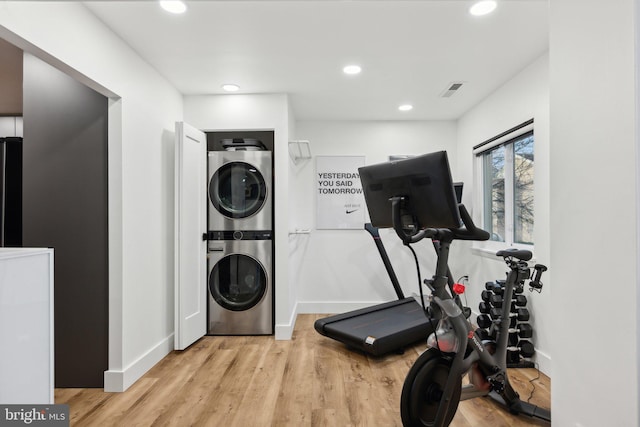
(410, 51)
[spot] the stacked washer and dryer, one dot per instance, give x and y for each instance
(240, 246)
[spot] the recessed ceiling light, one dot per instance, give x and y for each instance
(483, 7)
(173, 6)
(229, 87)
(352, 69)
(405, 107)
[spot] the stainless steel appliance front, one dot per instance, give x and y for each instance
(240, 190)
(240, 287)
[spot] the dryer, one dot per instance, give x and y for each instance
(240, 190)
(240, 283)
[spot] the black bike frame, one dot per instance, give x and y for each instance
(493, 365)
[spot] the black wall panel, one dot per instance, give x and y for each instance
(65, 207)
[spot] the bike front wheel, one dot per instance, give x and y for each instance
(423, 389)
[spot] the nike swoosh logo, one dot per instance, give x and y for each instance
(348, 211)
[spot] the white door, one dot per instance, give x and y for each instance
(190, 224)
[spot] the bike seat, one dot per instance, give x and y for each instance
(521, 254)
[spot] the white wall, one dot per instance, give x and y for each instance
(143, 109)
(594, 212)
(293, 263)
(258, 112)
(524, 97)
(341, 270)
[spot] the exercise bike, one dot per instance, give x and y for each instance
(433, 387)
(416, 198)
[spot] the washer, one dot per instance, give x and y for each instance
(240, 283)
(240, 190)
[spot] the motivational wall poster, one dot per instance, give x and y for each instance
(340, 201)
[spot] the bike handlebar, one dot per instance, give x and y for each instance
(408, 236)
(470, 231)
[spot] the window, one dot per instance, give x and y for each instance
(505, 166)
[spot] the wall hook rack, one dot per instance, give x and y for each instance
(299, 150)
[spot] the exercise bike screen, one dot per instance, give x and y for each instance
(424, 182)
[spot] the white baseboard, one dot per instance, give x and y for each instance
(544, 362)
(284, 331)
(119, 381)
(331, 307)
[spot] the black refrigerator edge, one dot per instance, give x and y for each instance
(11, 192)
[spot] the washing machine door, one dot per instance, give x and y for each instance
(238, 282)
(237, 190)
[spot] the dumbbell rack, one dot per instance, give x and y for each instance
(490, 317)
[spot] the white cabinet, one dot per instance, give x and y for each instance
(26, 326)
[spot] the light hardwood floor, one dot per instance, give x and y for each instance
(258, 381)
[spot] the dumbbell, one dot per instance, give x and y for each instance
(483, 321)
(493, 332)
(495, 313)
(517, 289)
(518, 300)
(513, 357)
(524, 348)
(535, 283)
(483, 334)
(496, 300)
(513, 320)
(484, 307)
(521, 314)
(523, 330)
(489, 285)
(486, 295)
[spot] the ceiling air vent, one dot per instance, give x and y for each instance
(451, 89)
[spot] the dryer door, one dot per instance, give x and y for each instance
(237, 190)
(238, 282)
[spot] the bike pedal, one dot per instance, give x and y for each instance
(497, 383)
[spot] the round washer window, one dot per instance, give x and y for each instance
(237, 282)
(237, 190)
